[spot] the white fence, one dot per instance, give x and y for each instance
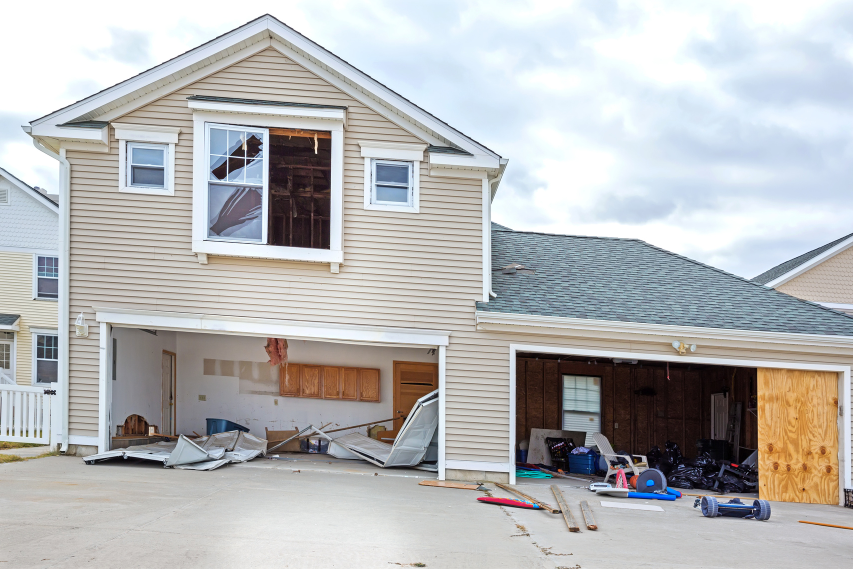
(24, 414)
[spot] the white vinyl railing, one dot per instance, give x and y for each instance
(24, 414)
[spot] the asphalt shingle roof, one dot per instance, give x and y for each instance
(8, 319)
(628, 280)
(790, 265)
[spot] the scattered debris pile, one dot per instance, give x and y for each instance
(704, 472)
(203, 453)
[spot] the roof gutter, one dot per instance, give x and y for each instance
(64, 281)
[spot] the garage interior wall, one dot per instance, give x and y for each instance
(137, 385)
(229, 397)
(631, 418)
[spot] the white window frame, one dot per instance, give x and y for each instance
(36, 332)
(264, 184)
(146, 136)
(375, 152)
(14, 350)
(36, 275)
(128, 182)
(264, 117)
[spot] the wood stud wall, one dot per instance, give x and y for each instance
(680, 410)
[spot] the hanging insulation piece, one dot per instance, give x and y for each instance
(276, 349)
(315, 143)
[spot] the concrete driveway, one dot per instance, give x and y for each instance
(59, 512)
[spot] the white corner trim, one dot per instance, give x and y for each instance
(368, 190)
(811, 263)
(487, 239)
(392, 150)
(202, 245)
(497, 321)
(844, 371)
(146, 133)
(482, 465)
(442, 411)
(267, 328)
(123, 186)
(272, 110)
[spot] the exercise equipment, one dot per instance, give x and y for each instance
(734, 508)
(651, 480)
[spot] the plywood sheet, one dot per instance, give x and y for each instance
(553, 394)
(798, 436)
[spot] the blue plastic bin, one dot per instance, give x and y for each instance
(583, 463)
(223, 426)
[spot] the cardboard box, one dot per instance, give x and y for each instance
(275, 437)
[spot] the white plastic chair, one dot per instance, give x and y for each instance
(612, 459)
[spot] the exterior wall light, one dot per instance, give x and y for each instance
(81, 327)
(683, 348)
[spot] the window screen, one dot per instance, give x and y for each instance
(392, 183)
(582, 405)
(146, 165)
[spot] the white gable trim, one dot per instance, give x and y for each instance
(811, 263)
(304, 51)
(28, 190)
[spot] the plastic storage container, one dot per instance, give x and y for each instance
(223, 426)
(583, 463)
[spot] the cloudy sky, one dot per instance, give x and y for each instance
(722, 130)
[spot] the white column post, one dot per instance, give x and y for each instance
(104, 388)
(442, 410)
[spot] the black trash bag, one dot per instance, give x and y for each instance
(673, 453)
(706, 463)
(730, 483)
(654, 455)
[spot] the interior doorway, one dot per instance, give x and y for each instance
(169, 378)
(412, 380)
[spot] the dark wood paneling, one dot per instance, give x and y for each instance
(679, 410)
(553, 396)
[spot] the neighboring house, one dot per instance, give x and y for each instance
(823, 275)
(29, 283)
(260, 187)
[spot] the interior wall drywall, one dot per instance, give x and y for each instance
(138, 378)
(223, 399)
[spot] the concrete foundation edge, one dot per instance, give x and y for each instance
(476, 476)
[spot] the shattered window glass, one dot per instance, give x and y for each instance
(235, 191)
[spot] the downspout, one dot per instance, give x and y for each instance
(64, 281)
(493, 189)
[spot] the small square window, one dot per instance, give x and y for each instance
(47, 358)
(47, 278)
(146, 165)
(392, 183)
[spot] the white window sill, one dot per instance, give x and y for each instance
(46, 299)
(146, 191)
(397, 208)
(259, 251)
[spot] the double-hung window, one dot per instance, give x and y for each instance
(146, 165)
(582, 405)
(47, 357)
(269, 185)
(47, 278)
(392, 183)
(7, 357)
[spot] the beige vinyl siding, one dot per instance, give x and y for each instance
(16, 297)
(401, 269)
(830, 281)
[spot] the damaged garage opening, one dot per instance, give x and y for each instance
(376, 401)
(709, 427)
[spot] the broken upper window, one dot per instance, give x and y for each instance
(269, 186)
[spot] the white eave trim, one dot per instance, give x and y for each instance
(836, 305)
(270, 328)
(146, 133)
(495, 321)
(392, 150)
(797, 271)
(11, 327)
(444, 160)
(273, 110)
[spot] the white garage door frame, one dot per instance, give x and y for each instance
(391, 337)
(844, 429)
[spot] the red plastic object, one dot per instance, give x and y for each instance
(508, 502)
